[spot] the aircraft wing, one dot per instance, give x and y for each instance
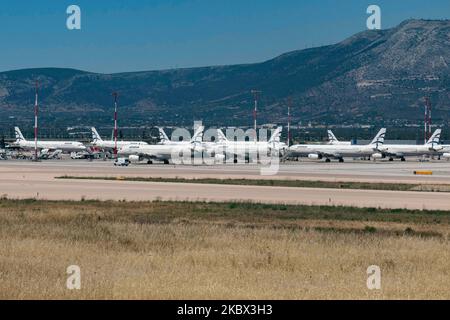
(327, 154)
(147, 155)
(333, 155)
(388, 153)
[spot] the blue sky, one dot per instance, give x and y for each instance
(136, 35)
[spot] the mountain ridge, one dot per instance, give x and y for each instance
(370, 77)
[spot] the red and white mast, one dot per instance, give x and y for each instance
(115, 94)
(255, 111)
(427, 121)
(36, 122)
(289, 122)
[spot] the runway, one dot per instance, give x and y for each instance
(362, 171)
(22, 179)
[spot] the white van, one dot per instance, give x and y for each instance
(122, 162)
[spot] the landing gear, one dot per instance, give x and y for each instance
(402, 159)
(166, 161)
(391, 159)
(327, 160)
(341, 160)
(149, 162)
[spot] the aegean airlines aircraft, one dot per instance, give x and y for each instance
(163, 152)
(329, 151)
(45, 147)
(98, 142)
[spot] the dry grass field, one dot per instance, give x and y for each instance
(177, 250)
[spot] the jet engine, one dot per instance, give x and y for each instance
(219, 157)
(446, 155)
(377, 156)
(313, 156)
(133, 158)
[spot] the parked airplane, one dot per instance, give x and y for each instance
(47, 148)
(334, 141)
(109, 145)
(226, 148)
(164, 139)
(163, 152)
(400, 151)
(329, 151)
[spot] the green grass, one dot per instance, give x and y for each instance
(231, 212)
(281, 183)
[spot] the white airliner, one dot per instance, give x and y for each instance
(334, 141)
(44, 147)
(109, 144)
(163, 152)
(329, 151)
(400, 151)
(164, 139)
(225, 147)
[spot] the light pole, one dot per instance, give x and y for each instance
(115, 94)
(427, 122)
(256, 94)
(36, 122)
(289, 121)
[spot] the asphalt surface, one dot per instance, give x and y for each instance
(25, 179)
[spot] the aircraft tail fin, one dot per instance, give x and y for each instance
(19, 135)
(221, 136)
(163, 136)
(379, 138)
(95, 135)
(276, 135)
(331, 137)
(198, 135)
(436, 137)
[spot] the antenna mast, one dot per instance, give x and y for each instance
(428, 121)
(256, 94)
(36, 121)
(115, 94)
(289, 122)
